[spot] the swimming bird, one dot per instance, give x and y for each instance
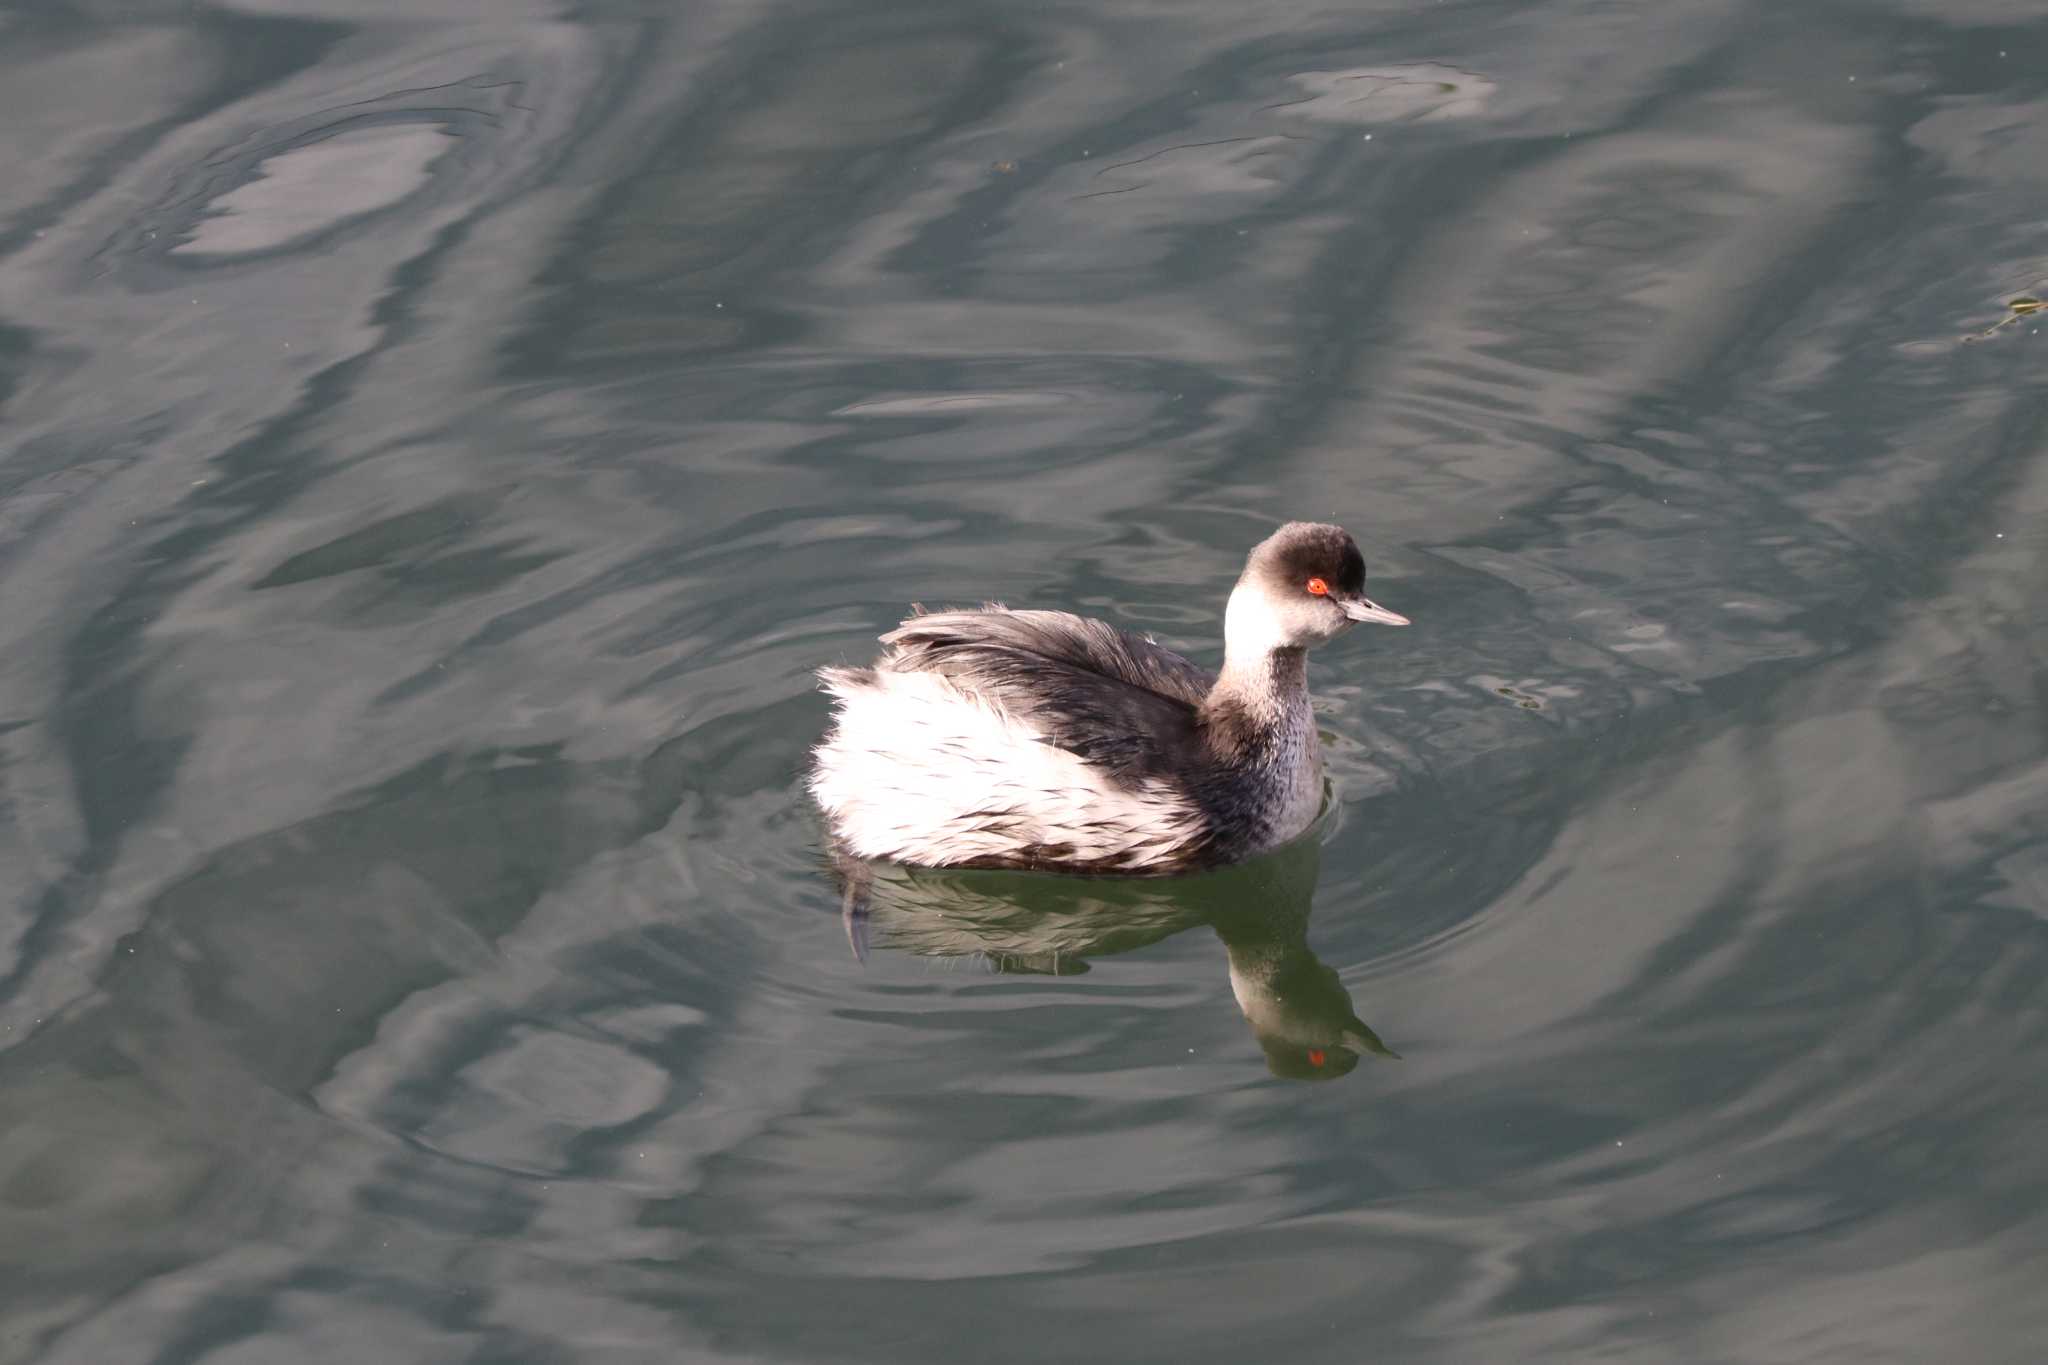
(1043, 740)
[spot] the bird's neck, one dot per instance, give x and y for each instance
(1262, 677)
(1267, 687)
(1273, 946)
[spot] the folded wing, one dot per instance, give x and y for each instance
(1124, 705)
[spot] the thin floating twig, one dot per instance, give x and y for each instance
(2023, 306)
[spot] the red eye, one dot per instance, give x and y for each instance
(1315, 1054)
(1319, 587)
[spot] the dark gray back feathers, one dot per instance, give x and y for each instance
(1123, 704)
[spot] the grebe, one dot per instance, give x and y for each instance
(1038, 739)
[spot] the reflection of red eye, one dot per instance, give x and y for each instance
(1319, 587)
(1315, 1054)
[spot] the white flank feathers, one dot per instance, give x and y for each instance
(918, 770)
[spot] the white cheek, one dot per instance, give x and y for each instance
(1257, 622)
(1251, 625)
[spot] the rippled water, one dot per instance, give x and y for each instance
(437, 441)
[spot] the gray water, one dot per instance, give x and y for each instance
(438, 440)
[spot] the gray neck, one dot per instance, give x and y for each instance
(1258, 720)
(1258, 724)
(1269, 686)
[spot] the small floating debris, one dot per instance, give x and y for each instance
(1529, 695)
(2023, 306)
(1519, 698)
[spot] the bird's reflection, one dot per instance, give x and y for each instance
(1024, 922)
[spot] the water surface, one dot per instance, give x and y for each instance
(438, 441)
